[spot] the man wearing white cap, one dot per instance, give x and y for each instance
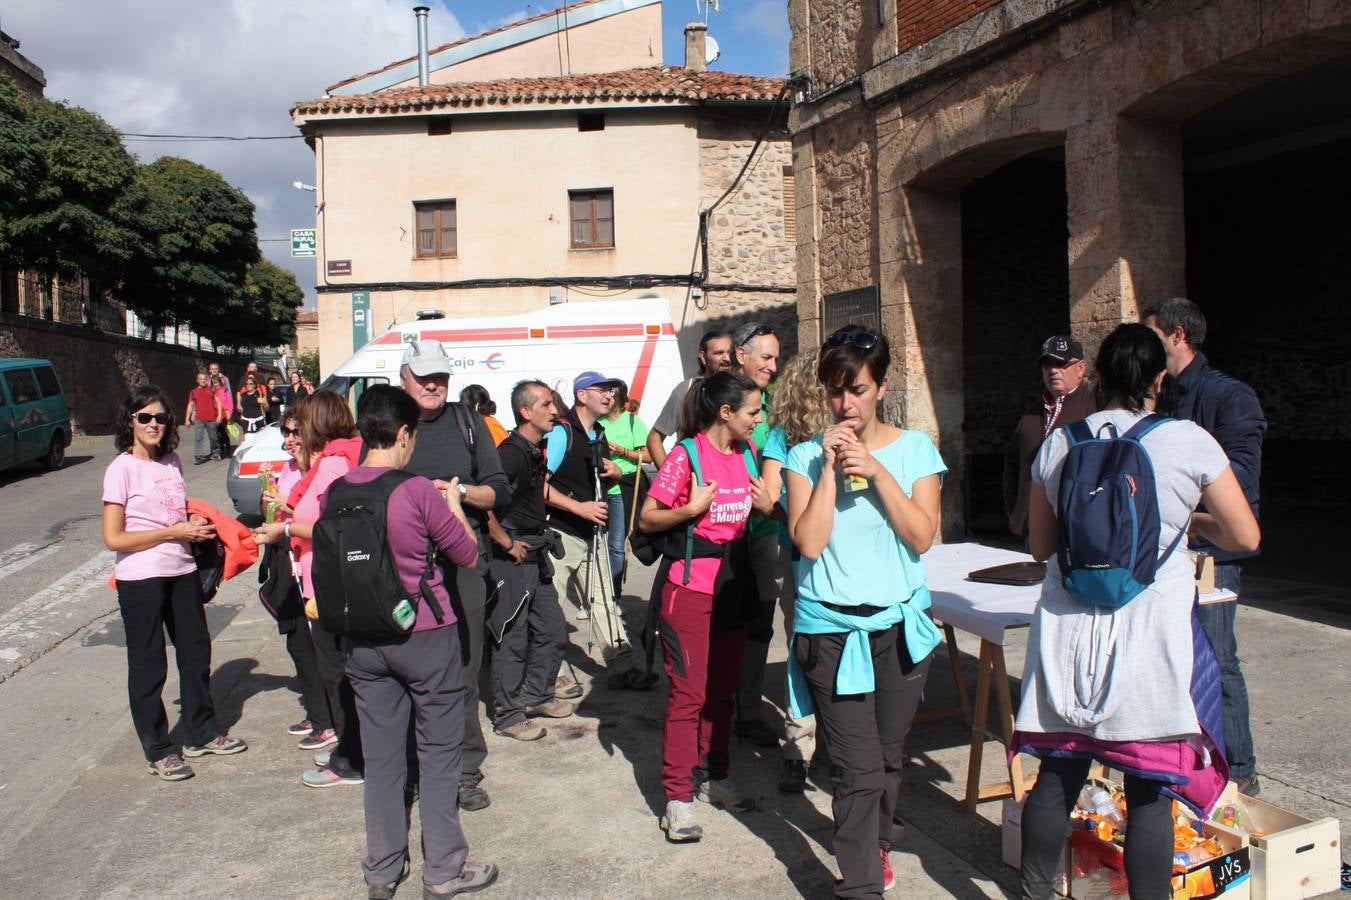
(453, 442)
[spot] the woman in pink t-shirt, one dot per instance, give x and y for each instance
(702, 639)
(221, 388)
(145, 521)
(329, 444)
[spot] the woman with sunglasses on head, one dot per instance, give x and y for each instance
(703, 628)
(330, 447)
(252, 404)
(862, 506)
(145, 520)
(316, 730)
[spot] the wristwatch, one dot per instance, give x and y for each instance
(464, 491)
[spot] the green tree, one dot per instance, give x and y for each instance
(72, 221)
(271, 298)
(23, 159)
(198, 240)
(309, 364)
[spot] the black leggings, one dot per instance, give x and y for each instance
(1046, 814)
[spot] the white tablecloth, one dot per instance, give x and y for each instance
(984, 610)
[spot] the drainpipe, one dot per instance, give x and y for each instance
(422, 64)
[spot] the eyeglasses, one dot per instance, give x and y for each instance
(747, 333)
(601, 390)
(861, 338)
(145, 418)
(290, 432)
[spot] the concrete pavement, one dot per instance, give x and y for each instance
(573, 815)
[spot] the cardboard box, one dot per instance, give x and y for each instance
(1097, 869)
(1011, 832)
(1291, 856)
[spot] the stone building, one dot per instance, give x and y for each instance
(977, 175)
(554, 158)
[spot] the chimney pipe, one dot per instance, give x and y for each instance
(696, 58)
(422, 64)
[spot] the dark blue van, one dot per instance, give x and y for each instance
(34, 419)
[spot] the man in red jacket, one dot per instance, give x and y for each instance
(1066, 400)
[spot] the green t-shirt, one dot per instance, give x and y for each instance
(762, 525)
(630, 432)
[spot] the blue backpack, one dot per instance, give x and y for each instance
(1107, 514)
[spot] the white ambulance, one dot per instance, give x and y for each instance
(632, 340)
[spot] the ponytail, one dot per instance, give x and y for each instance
(707, 396)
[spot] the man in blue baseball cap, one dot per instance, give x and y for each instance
(581, 471)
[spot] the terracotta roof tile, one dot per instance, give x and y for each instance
(646, 84)
(464, 40)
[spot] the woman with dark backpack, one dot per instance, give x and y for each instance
(1121, 685)
(710, 494)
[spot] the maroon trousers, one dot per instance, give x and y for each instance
(703, 660)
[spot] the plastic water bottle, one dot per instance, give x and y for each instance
(1099, 802)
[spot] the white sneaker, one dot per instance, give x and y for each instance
(724, 793)
(679, 824)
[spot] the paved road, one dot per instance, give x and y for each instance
(573, 815)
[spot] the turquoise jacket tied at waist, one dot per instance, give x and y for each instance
(855, 674)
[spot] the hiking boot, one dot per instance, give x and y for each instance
(678, 822)
(300, 729)
(1250, 786)
(634, 679)
(170, 768)
(723, 793)
(473, 877)
(224, 745)
(319, 740)
(471, 797)
(552, 709)
(324, 778)
(566, 689)
(321, 758)
(888, 876)
(386, 891)
(524, 730)
(792, 776)
(757, 732)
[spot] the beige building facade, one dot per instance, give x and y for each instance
(985, 174)
(499, 196)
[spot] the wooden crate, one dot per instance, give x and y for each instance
(1292, 856)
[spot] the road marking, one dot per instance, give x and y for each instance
(29, 616)
(31, 554)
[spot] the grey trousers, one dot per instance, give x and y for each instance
(469, 593)
(422, 677)
(773, 567)
(205, 440)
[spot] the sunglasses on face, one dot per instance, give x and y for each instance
(860, 338)
(145, 418)
(290, 432)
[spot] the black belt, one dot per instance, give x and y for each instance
(861, 609)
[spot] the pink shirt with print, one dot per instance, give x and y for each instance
(724, 521)
(153, 495)
(331, 468)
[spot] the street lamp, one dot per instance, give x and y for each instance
(302, 186)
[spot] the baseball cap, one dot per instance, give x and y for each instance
(425, 358)
(590, 379)
(1062, 348)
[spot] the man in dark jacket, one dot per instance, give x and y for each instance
(1066, 400)
(454, 443)
(1227, 409)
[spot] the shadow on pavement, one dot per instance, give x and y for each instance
(36, 470)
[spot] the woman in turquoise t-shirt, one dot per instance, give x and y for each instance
(862, 505)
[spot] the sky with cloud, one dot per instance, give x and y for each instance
(234, 67)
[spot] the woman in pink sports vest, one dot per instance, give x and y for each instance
(701, 646)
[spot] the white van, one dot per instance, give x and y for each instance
(632, 340)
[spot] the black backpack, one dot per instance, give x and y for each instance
(356, 581)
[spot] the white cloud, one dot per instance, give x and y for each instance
(220, 67)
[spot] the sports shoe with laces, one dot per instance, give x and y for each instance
(471, 797)
(472, 877)
(723, 793)
(566, 689)
(324, 778)
(319, 740)
(170, 768)
(524, 730)
(301, 728)
(678, 822)
(792, 777)
(222, 745)
(888, 876)
(552, 709)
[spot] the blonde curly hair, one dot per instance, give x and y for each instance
(801, 407)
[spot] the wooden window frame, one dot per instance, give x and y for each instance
(595, 243)
(438, 207)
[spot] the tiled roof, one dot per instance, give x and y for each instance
(652, 83)
(306, 317)
(464, 40)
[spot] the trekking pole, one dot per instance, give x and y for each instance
(601, 551)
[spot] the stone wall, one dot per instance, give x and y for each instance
(98, 370)
(846, 194)
(840, 40)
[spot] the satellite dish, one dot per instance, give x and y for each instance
(711, 51)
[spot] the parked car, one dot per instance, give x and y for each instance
(241, 478)
(34, 418)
